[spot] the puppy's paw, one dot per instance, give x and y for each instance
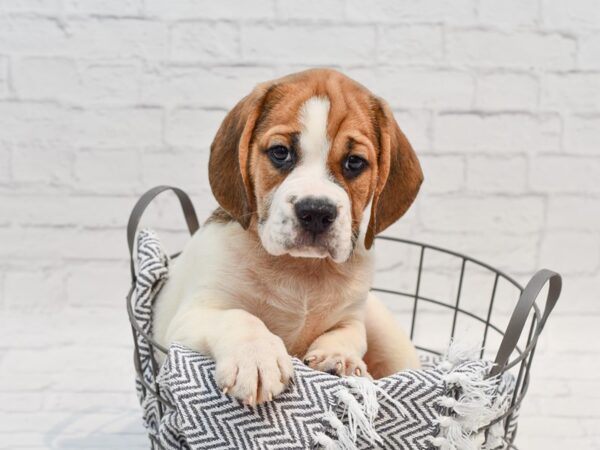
(255, 371)
(336, 363)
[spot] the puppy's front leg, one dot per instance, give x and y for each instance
(340, 350)
(252, 363)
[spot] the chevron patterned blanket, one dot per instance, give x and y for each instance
(445, 405)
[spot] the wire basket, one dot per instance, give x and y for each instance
(503, 312)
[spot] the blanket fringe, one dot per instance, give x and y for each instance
(471, 401)
(360, 415)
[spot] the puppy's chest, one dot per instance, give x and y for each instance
(300, 309)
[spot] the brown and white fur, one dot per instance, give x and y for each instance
(253, 286)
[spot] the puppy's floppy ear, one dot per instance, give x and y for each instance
(399, 174)
(228, 166)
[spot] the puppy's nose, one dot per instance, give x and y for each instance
(315, 214)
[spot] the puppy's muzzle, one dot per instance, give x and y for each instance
(315, 215)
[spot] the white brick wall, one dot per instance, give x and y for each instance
(100, 100)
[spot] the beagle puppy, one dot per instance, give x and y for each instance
(307, 169)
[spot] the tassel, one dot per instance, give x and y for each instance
(367, 390)
(357, 419)
(344, 439)
(478, 402)
(325, 441)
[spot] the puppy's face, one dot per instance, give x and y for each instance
(302, 158)
(312, 182)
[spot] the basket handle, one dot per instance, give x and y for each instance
(138, 210)
(521, 313)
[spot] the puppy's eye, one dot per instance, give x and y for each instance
(353, 166)
(281, 156)
(279, 153)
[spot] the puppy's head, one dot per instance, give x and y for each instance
(303, 158)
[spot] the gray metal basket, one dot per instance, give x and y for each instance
(515, 351)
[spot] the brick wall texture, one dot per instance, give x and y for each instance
(100, 100)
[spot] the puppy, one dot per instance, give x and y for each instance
(307, 170)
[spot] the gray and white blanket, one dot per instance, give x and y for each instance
(446, 405)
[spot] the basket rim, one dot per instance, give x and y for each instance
(421, 244)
